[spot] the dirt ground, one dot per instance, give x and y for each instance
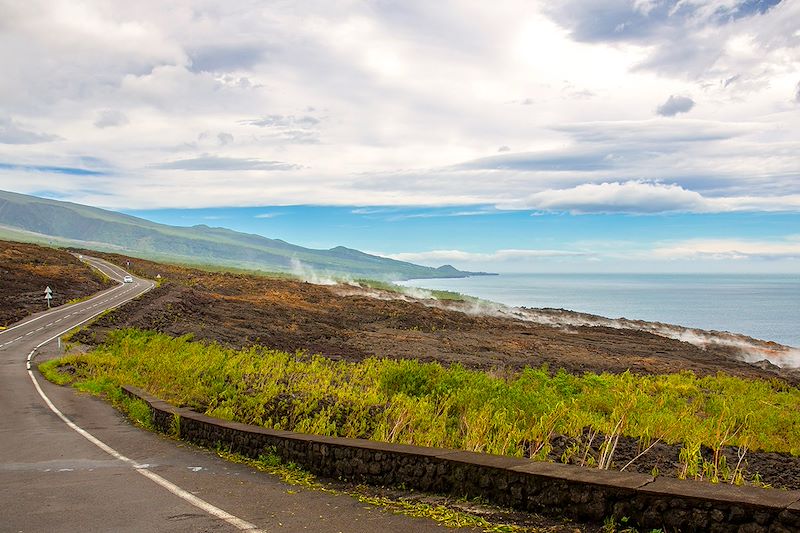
(25, 271)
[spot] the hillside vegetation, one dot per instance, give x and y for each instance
(34, 219)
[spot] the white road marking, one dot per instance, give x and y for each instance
(213, 510)
(60, 309)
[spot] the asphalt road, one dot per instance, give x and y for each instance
(70, 462)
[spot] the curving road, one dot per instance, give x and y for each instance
(70, 462)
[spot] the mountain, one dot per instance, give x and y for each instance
(34, 219)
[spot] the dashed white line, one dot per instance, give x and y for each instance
(58, 310)
(213, 510)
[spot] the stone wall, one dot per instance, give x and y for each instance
(545, 488)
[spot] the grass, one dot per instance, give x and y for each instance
(80, 299)
(61, 373)
(292, 474)
(426, 404)
(135, 409)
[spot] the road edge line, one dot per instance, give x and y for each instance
(185, 495)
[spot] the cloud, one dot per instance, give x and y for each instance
(643, 197)
(225, 57)
(563, 160)
(797, 93)
(377, 103)
(688, 38)
(459, 256)
(654, 132)
(730, 249)
(71, 171)
(221, 138)
(226, 163)
(504, 148)
(675, 105)
(617, 197)
(283, 121)
(268, 215)
(295, 129)
(12, 132)
(110, 117)
(440, 214)
(644, 21)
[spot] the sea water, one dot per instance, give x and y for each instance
(762, 306)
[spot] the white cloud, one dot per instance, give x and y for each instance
(403, 104)
(645, 197)
(730, 249)
(12, 132)
(459, 256)
(110, 117)
(216, 163)
(685, 255)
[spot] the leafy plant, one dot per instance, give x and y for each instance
(406, 401)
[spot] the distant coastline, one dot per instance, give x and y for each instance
(756, 305)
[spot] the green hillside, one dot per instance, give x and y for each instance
(34, 219)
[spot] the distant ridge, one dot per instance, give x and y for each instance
(33, 219)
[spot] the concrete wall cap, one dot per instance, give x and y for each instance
(722, 493)
(485, 459)
(580, 474)
(386, 447)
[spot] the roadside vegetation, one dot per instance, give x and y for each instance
(444, 514)
(427, 404)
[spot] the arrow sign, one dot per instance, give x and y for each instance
(48, 295)
(48, 290)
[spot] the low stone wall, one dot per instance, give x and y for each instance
(545, 488)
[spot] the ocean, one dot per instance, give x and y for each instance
(766, 307)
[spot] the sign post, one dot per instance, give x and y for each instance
(48, 295)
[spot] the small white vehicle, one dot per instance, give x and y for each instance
(128, 279)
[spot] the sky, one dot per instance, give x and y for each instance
(608, 135)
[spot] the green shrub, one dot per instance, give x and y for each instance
(426, 404)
